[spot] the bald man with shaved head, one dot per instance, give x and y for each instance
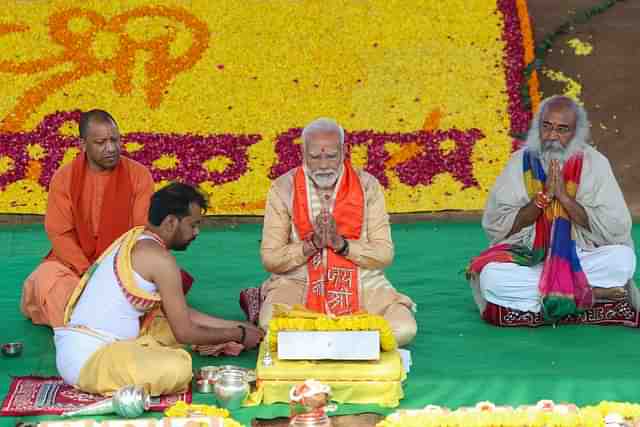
(92, 201)
(557, 221)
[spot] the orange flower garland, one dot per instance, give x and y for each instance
(528, 44)
(220, 103)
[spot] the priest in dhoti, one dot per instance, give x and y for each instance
(326, 238)
(109, 340)
(92, 201)
(559, 227)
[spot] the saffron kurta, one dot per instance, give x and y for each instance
(47, 289)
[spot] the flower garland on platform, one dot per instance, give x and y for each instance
(300, 319)
(203, 97)
(182, 409)
(545, 413)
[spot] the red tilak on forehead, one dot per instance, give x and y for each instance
(322, 150)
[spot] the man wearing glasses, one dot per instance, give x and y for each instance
(559, 227)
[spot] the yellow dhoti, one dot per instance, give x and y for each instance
(381, 299)
(154, 360)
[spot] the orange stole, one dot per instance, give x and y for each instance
(333, 287)
(116, 207)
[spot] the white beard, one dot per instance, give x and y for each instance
(324, 180)
(552, 150)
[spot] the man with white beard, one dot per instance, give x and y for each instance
(326, 238)
(575, 185)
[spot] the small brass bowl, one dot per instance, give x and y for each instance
(205, 385)
(207, 373)
(12, 349)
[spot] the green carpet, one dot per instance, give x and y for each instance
(458, 360)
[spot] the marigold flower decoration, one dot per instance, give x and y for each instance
(182, 409)
(486, 414)
(300, 319)
(435, 133)
(580, 47)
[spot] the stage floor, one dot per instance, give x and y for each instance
(458, 360)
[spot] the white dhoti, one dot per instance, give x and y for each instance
(514, 286)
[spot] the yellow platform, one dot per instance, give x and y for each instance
(378, 382)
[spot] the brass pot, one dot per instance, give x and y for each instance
(231, 389)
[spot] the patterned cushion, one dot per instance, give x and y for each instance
(619, 313)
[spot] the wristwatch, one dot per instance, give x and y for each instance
(344, 250)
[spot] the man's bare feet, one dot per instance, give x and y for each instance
(615, 294)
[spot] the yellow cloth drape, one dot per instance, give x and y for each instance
(374, 382)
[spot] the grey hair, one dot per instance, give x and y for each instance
(582, 135)
(323, 124)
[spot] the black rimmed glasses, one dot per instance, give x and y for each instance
(560, 129)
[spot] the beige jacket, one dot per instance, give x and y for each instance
(281, 248)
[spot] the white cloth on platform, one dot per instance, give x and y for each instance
(514, 286)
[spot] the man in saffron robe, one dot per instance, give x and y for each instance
(559, 227)
(110, 336)
(92, 201)
(326, 238)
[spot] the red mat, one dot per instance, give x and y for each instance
(51, 396)
(605, 313)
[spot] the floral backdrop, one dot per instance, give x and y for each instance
(216, 93)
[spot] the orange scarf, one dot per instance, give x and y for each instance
(333, 283)
(116, 207)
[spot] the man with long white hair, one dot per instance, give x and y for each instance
(559, 227)
(326, 238)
